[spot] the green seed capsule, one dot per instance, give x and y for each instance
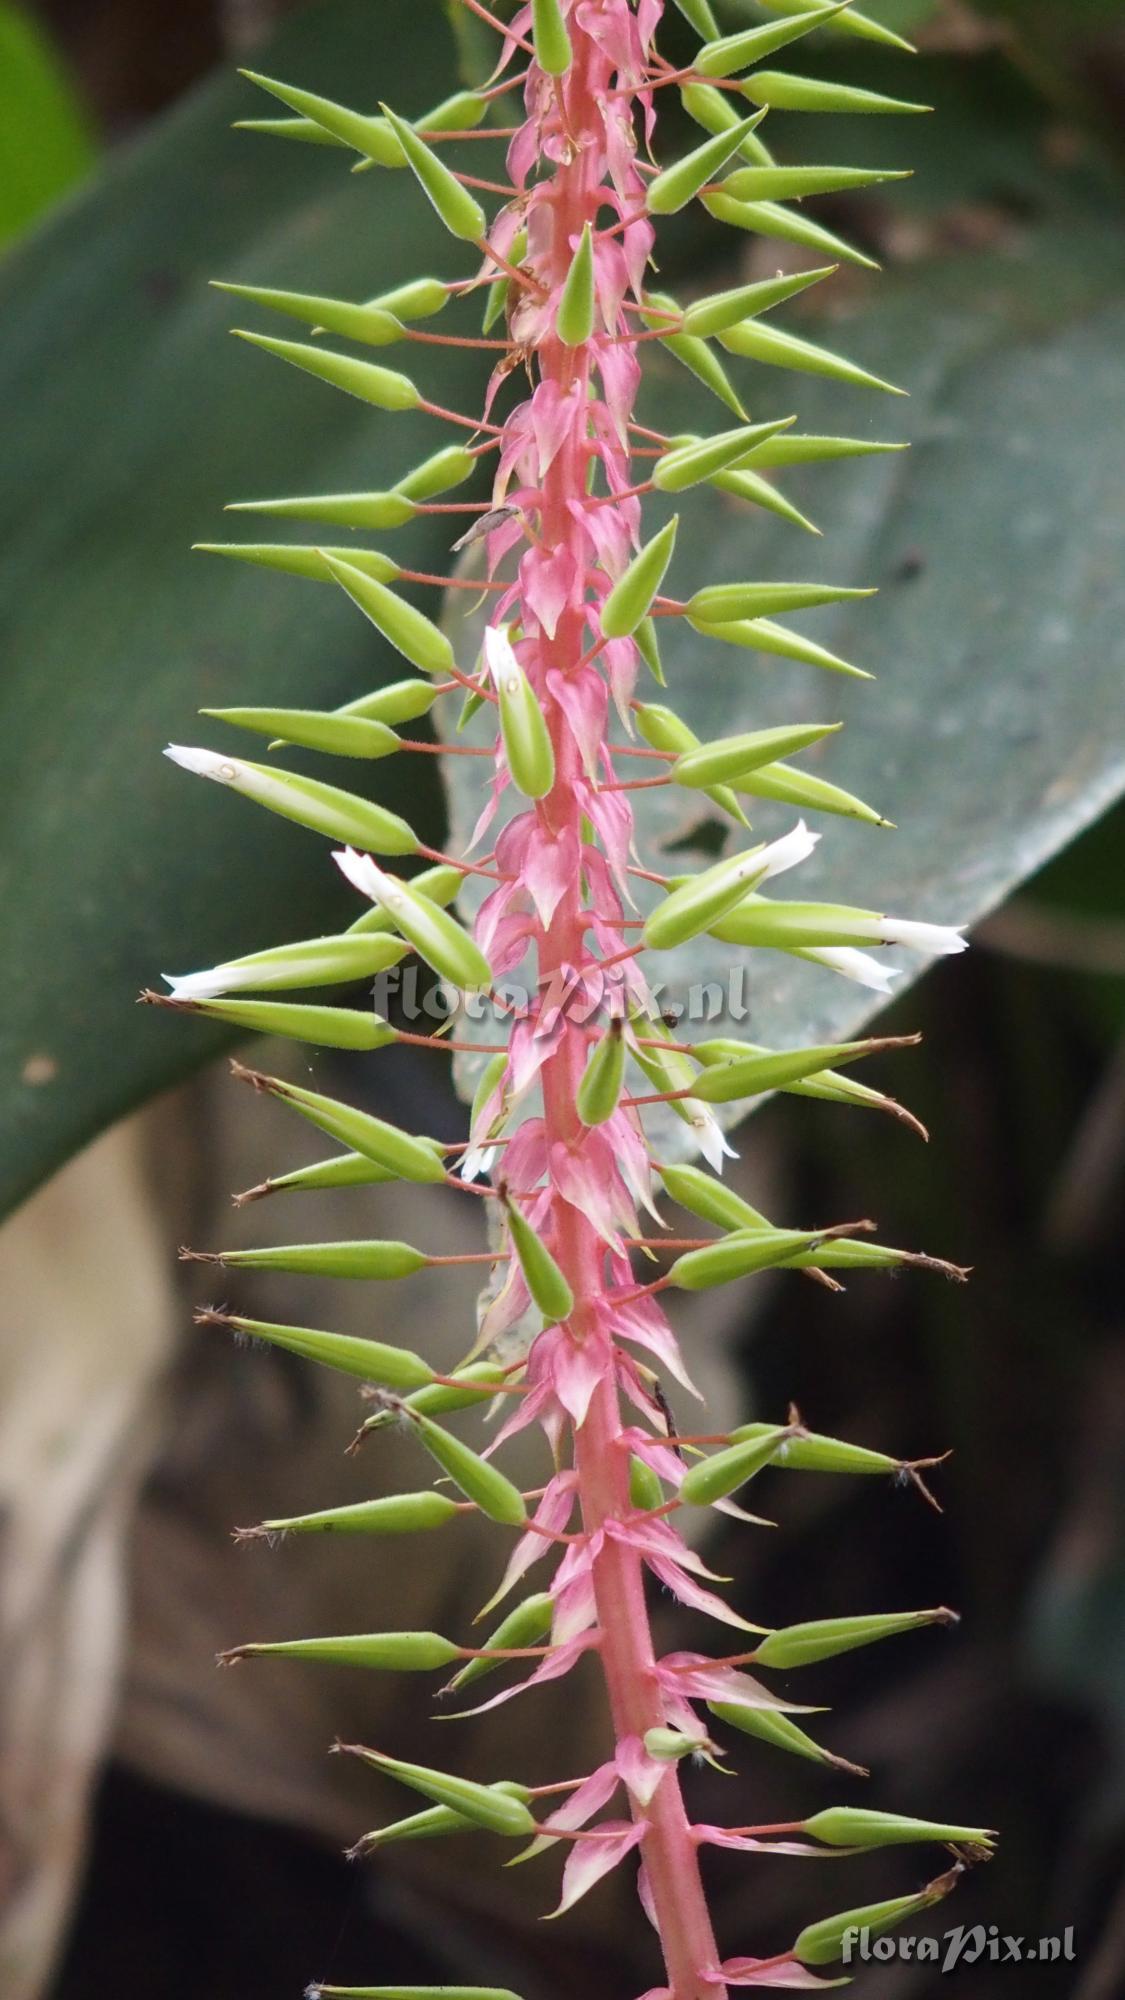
(809, 793)
(318, 1992)
(407, 1157)
(524, 1626)
(718, 603)
(548, 32)
(368, 1259)
(327, 961)
(679, 184)
(344, 1170)
(723, 309)
(600, 1088)
(761, 635)
(730, 756)
(367, 1360)
(698, 14)
(855, 1826)
(822, 1639)
(645, 1489)
(632, 595)
(799, 926)
(807, 1451)
(313, 729)
(806, 93)
(664, 730)
(669, 1745)
(438, 885)
(776, 349)
(738, 1255)
(758, 492)
(712, 1201)
(449, 467)
(475, 1383)
(436, 936)
(688, 349)
(527, 740)
(323, 1027)
(414, 635)
(384, 388)
(372, 137)
(419, 298)
(849, 23)
(780, 1730)
(461, 213)
(394, 1514)
(302, 558)
(799, 183)
(483, 1805)
(749, 1074)
(324, 808)
(709, 107)
(819, 1944)
(690, 464)
(702, 900)
(304, 130)
(370, 324)
(772, 218)
(543, 1278)
(341, 510)
(478, 1480)
(735, 52)
(724, 1472)
(410, 1652)
(574, 322)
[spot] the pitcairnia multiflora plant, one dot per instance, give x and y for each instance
(561, 1156)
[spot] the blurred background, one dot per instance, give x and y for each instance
(167, 1829)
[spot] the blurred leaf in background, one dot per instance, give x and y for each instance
(47, 142)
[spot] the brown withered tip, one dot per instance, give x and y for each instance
(212, 1316)
(232, 1656)
(958, 1274)
(905, 1117)
(257, 1534)
(251, 1194)
(148, 998)
(845, 1765)
(944, 1616)
(189, 1256)
(256, 1078)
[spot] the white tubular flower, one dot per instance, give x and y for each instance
(709, 1135)
(209, 985)
(498, 654)
(204, 763)
(852, 964)
(362, 872)
(936, 940)
(788, 852)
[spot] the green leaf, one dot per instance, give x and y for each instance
(46, 146)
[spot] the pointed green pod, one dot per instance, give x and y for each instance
(342, 1170)
(324, 808)
(739, 1255)
(459, 113)
(824, 1638)
(807, 93)
(749, 1075)
(645, 1490)
(548, 32)
(698, 459)
(370, 136)
(313, 729)
(669, 1071)
(849, 23)
(758, 492)
(809, 793)
(524, 1626)
(436, 885)
(702, 900)
(574, 322)
(631, 598)
(489, 1081)
(699, 16)
(498, 1809)
(723, 1472)
(428, 1825)
(399, 701)
(602, 1078)
(761, 635)
(327, 961)
(713, 1201)
(729, 756)
(302, 559)
(800, 183)
(322, 1027)
(376, 1258)
(723, 309)
(367, 1360)
(384, 388)
(735, 52)
(771, 218)
(690, 351)
(340, 510)
(407, 1157)
(305, 130)
(409, 1652)
(436, 936)
(663, 729)
(319, 1992)
(713, 110)
(807, 1451)
(800, 448)
(393, 1514)
(719, 603)
(447, 468)
(370, 324)
(800, 926)
(772, 1727)
(543, 1278)
(461, 213)
(819, 1944)
(786, 350)
(419, 298)
(475, 1383)
(679, 184)
(648, 646)
(479, 1480)
(527, 740)
(414, 635)
(856, 1826)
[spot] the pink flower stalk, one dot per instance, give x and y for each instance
(559, 1134)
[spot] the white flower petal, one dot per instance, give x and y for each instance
(206, 985)
(937, 940)
(853, 964)
(361, 871)
(787, 852)
(204, 763)
(498, 653)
